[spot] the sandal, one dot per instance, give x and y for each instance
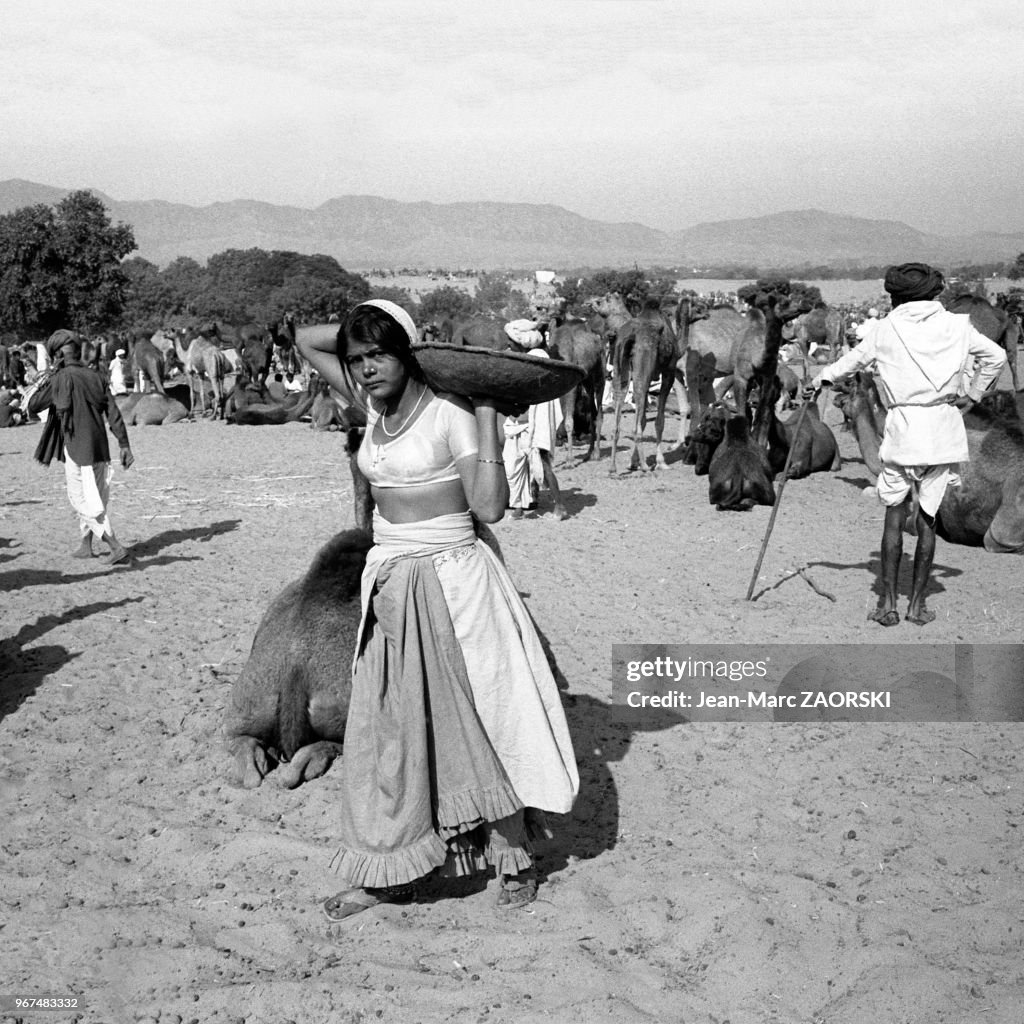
(517, 890)
(354, 901)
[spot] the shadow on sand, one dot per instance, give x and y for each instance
(23, 670)
(873, 567)
(19, 579)
(202, 534)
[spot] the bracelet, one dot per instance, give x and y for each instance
(497, 462)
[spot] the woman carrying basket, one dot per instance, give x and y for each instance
(456, 742)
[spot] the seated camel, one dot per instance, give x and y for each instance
(814, 447)
(328, 411)
(290, 702)
(739, 475)
(152, 409)
(987, 509)
(704, 439)
(289, 705)
(996, 324)
(260, 414)
(864, 414)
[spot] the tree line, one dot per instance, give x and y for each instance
(69, 266)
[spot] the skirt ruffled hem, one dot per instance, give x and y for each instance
(462, 812)
(509, 860)
(379, 870)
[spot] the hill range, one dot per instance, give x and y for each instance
(367, 231)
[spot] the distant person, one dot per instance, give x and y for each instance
(276, 388)
(529, 442)
(861, 330)
(527, 334)
(75, 433)
(119, 373)
(11, 414)
(918, 354)
(42, 357)
(16, 368)
(291, 385)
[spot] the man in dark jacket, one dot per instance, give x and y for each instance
(79, 399)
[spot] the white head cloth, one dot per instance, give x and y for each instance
(399, 315)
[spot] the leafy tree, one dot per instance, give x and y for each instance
(30, 281)
(91, 249)
(493, 293)
(149, 295)
(62, 266)
(797, 290)
(254, 284)
(445, 302)
(1016, 269)
(400, 296)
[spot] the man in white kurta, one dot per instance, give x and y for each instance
(528, 453)
(929, 364)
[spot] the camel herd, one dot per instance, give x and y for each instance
(220, 371)
(288, 707)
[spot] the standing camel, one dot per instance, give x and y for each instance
(706, 344)
(614, 316)
(574, 342)
(645, 349)
(203, 358)
(145, 359)
(755, 355)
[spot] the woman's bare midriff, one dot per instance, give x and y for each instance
(414, 504)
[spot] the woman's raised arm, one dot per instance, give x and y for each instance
(322, 354)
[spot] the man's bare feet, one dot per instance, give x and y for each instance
(884, 616)
(84, 550)
(921, 617)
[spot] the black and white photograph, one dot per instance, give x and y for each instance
(511, 512)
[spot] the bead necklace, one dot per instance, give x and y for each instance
(384, 426)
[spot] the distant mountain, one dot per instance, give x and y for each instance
(367, 231)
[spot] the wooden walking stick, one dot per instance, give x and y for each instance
(778, 496)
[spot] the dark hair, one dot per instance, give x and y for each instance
(371, 325)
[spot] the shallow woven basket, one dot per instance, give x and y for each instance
(506, 376)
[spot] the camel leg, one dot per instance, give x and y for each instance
(659, 419)
(568, 415)
(739, 394)
(596, 396)
(637, 460)
(308, 762)
(619, 397)
(1011, 357)
(692, 377)
(679, 387)
(251, 761)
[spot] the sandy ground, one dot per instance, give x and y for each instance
(747, 872)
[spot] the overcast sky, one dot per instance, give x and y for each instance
(664, 112)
